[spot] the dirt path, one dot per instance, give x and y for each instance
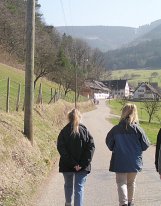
(100, 188)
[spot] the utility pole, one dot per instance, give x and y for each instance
(76, 77)
(29, 70)
(76, 85)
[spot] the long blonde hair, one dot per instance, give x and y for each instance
(129, 113)
(74, 118)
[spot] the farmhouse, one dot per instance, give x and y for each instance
(146, 91)
(92, 88)
(119, 88)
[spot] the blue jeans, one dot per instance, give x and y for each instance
(76, 180)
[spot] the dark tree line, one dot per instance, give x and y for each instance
(56, 57)
(144, 55)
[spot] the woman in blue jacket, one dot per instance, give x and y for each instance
(126, 141)
(76, 147)
(158, 153)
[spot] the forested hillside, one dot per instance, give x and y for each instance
(149, 32)
(144, 52)
(127, 47)
(147, 54)
(109, 37)
(56, 56)
(103, 37)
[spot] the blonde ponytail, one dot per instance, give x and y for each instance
(74, 118)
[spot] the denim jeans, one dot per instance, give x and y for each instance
(74, 180)
(126, 187)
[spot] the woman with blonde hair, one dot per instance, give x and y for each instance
(127, 141)
(76, 147)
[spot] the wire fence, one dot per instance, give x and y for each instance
(12, 95)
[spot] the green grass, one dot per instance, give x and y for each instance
(18, 77)
(143, 115)
(10, 201)
(135, 76)
(151, 129)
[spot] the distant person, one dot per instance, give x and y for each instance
(127, 141)
(94, 100)
(157, 155)
(76, 148)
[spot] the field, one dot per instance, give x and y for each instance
(151, 129)
(136, 76)
(18, 77)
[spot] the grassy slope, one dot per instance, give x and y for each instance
(23, 167)
(17, 77)
(136, 76)
(150, 129)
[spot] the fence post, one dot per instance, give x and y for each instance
(8, 95)
(39, 99)
(23, 107)
(51, 94)
(55, 96)
(18, 97)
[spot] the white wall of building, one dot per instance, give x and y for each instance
(120, 93)
(101, 95)
(127, 90)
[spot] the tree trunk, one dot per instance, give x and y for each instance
(150, 117)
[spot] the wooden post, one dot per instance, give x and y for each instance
(29, 70)
(18, 97)
(23, 107)
(39, 99)
(8, 95)
(51, 94)
(76, 87)
(55, 96)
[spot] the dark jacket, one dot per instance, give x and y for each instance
(75, 149)
(126, 143)
(158, 143)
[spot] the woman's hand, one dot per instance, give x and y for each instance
(77, 168)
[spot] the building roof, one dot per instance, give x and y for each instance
(96, 85)
(149, 86)
(102, 86)
(115, 84)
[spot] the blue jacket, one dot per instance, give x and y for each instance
(157, 156)
(126, 143)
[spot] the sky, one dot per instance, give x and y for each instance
(133, 13)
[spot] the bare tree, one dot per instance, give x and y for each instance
(81, 59)
(47, 44)
(97, 64)
(71, 59)
(123, 101)
(151, 107)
